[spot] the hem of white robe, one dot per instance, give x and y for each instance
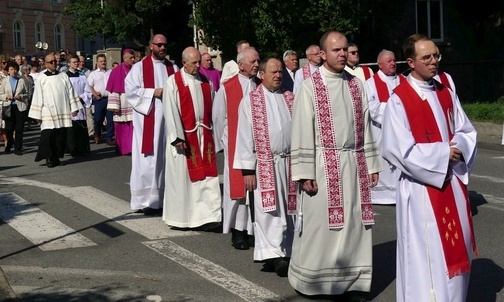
(384, 196)
(229, 220)
(309, 283)
(152, 198)
(192, 224)
(265, 254)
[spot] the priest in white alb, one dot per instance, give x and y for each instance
(429, 138)
(236, 211)
(263, 155)
(378, 90)
(336, 162)
(314, 60)
(192, 192)
(144, 91)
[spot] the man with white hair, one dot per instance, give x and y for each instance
(314, 60)
(192, 195)
(379, 88)
(231, 69)
(225, 122)
(290, 59)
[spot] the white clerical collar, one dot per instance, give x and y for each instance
(272, 91)
(418, 85)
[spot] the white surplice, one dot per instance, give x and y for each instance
(147, 171)
(272, 230)
(385, 191)
(229, 70)
(82, 89)
(187, 204)
(54, 99)
(235, 211)
(421, 266)
(330, 261)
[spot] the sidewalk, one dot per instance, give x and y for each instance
(489, 135)
(6, 292)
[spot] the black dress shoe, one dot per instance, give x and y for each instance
(281, 266)
(7, 151)
(239, 239)
(356, 296)
(149, 211)
(18, 152)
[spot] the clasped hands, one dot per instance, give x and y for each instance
(455, 153)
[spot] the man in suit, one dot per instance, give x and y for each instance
(290, 60)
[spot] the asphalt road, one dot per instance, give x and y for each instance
(67, 234)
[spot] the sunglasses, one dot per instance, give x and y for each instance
(51, 62)
(353, 52)
(160, 44)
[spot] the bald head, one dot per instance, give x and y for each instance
(248, 62)
(191, 58)
(157, 47)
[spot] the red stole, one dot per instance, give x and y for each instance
(367, 71)
(200, 164)
(306, 71)
(330, 151)
(444, 79)
(425, 130)
(265, 161)
(149, 119)
(234, 95)
(382, 89)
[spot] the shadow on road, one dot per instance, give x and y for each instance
(476, 200)
(384, 267)
(487, 279)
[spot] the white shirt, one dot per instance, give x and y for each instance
(98, 80)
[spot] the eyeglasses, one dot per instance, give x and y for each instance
(428, 58)
(51, 62)
(353, 53)
(4, 62)
(160, 44)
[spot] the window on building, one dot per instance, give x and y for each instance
(59, 37)
(17, 32)
(39, 32)
(429, 16)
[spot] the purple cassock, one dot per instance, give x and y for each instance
(213, 75)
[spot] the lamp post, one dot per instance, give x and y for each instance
(103, 28)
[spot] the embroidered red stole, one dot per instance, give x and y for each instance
(425, 130)
(149, 119)
(265, 161)
(329, 146)
(367, 71)
(382, 89)
(444, 79)
(234, 95)
(306, 71)
(200, 164)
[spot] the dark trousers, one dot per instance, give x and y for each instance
(15, 123)
(100, 114)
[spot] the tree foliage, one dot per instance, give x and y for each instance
(134, 20)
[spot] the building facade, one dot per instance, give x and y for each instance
(23, 23)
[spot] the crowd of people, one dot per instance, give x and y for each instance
(307, 152)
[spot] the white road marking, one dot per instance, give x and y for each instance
(488, 178)
(212, 272)
(40, 228)
(118, 210)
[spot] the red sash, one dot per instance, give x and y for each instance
(265, 164)
(425, 130)
(200, 164)
(149, 119)
(367, 71)
(382, 89)
(325, 122)
(234, 95)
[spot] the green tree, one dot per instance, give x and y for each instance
(134, 20)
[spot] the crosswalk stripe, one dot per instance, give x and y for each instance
(40, 228)
(118, 210)
(212, 272)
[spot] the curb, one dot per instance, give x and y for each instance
(6, 292)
